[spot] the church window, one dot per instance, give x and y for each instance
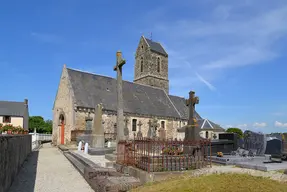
(158, 64)
(162, 124)
(134, 125)
(206, 134)
(141, 64)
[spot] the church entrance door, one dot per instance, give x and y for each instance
(62, 129)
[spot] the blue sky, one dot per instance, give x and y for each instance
(232, 53)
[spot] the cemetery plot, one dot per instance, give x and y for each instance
(155, 155)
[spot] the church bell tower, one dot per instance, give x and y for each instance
(151, 64)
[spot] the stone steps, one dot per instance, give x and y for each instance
(101, 179)
(75, 162)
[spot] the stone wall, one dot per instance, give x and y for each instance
(110, 120)
(14, 149)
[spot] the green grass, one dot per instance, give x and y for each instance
(215, 183)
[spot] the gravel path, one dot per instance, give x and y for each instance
(274, 175)
(47, 170)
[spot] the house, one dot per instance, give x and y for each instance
(146, 98)
(15, 113)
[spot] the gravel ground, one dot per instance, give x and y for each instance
(274, 175)
(47, 170)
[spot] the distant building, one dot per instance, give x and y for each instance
(15, 113)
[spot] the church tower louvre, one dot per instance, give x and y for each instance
(151, 64)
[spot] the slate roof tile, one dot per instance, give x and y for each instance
(12, 108)
(156, 47)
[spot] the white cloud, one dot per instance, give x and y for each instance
(279, 124)
(259, 124)
(242, 126)
(209, 85)
(223, 38)
(279, 114)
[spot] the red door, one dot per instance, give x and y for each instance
(62, 133)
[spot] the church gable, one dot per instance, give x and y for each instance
(91, 89)
(64, 91)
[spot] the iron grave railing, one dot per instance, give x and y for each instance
(155, 155)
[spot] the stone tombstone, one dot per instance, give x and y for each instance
(98, 129)
(162, 133)
(274, 146)
(139, 134)
(255, 141)
(151, 130)
(192, 130)
(154, 125)
(126, 129)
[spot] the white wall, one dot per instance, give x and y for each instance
(15, 121)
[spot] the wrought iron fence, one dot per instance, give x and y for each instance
(154, 155)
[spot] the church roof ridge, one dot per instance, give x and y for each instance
(82, 71)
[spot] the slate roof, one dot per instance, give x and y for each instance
(156, 47)
(12, 108)
(91, 89)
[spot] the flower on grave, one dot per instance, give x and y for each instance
(219, 154)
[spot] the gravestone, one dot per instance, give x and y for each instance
(192, 129)
(255, 141)
(98, 135)
(273, 147)
(151, 130)
(126, 130)
(139, 134)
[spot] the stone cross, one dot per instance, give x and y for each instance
(139, 134)
(120, 103)
(192, 130)
(126, 130)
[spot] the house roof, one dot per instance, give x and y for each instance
(204, 124)
(156, 47)
(12, 108)
(91, 89)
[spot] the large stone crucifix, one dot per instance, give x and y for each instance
(192, 129)
(120, 102)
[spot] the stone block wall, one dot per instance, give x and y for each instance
(14, 149)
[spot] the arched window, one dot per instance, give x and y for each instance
(158, 64)
(206, 134)
(141, 64)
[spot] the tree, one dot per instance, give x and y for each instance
(235, 130)
(40, 124)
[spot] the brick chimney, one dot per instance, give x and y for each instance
(26, 101)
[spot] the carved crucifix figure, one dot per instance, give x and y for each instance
(126, 130)
(151, 130)
(192, 130)
(139, 134)
(120, 112)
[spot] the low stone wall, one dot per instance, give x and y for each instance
(14, 149)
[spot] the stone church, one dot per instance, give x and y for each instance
(146, 98)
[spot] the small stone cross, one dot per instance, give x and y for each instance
(192, 130)
(126, 130)
(139, 134)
